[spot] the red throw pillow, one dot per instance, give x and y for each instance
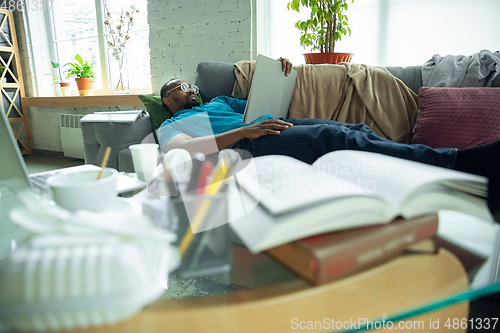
(457, 117)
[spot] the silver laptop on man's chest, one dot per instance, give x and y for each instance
(271, 91)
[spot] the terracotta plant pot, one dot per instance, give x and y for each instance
(65, 88)
(327, 58)
(85, 86)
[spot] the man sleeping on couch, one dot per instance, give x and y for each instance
(218, 125)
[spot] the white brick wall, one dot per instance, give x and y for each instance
(44, 123)
(183, 33)
(24, 54)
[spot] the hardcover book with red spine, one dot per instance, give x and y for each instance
(327, 257)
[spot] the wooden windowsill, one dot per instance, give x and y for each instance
(82, 101)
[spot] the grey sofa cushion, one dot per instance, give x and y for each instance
(217, 78)
(125, 160)
(411, 76)
(214, 79)
(496, 82)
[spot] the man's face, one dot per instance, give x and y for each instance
(182, 99)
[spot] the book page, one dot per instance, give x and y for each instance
(283, 184)
(438, 197)
(116, 116)
(392, 178)
(260, 230)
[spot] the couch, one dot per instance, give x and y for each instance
(213, 79)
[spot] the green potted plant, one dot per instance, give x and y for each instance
(65, 86)
(328, 23)
(83, 71)
(2, 69)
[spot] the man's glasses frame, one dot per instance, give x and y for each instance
(185, 87)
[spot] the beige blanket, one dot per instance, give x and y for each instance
(349, 93)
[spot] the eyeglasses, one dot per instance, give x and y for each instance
(185, 87)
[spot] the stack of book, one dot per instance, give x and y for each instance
(112, 116)
(361, 208)
(327, 257)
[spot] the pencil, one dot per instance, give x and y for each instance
(198, 160)
(205, 171)
(215, 186)
(104, 161)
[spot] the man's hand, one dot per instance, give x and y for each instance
(210, 144)
(264, 127)
(286, 65)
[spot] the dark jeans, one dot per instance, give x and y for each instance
(308, 139)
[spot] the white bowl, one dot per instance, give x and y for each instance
(83, 191)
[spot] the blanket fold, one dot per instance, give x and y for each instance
(477, 70)
(351, 93)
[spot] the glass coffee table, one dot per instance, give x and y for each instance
(412, 291)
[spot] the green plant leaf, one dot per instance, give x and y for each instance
(81, 69)
(315, 30)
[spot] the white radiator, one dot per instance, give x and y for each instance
(71, 135)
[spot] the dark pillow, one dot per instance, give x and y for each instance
(457, 117)
(157, 112)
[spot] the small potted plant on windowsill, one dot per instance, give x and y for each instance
(65, 86)
(83, 71)
(327, 24)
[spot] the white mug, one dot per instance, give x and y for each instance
(145, 159)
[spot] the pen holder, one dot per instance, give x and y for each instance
(208, 251)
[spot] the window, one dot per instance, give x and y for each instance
(78, 27)
(395, 32)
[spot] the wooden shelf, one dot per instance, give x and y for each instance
(7, 48)
(10, 85)
(12, 92)
(82, 101)
(16, 120)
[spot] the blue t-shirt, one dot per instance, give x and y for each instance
(220, 115)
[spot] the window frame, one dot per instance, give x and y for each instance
(103, 54)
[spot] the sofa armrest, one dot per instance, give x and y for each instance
(125, 160)
(118, 136)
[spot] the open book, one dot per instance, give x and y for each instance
(342, 190)
(112, 116)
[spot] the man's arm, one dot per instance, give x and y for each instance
(226, 139)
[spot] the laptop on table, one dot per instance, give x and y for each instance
(14, 174)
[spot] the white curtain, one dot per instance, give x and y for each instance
(396, 32)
